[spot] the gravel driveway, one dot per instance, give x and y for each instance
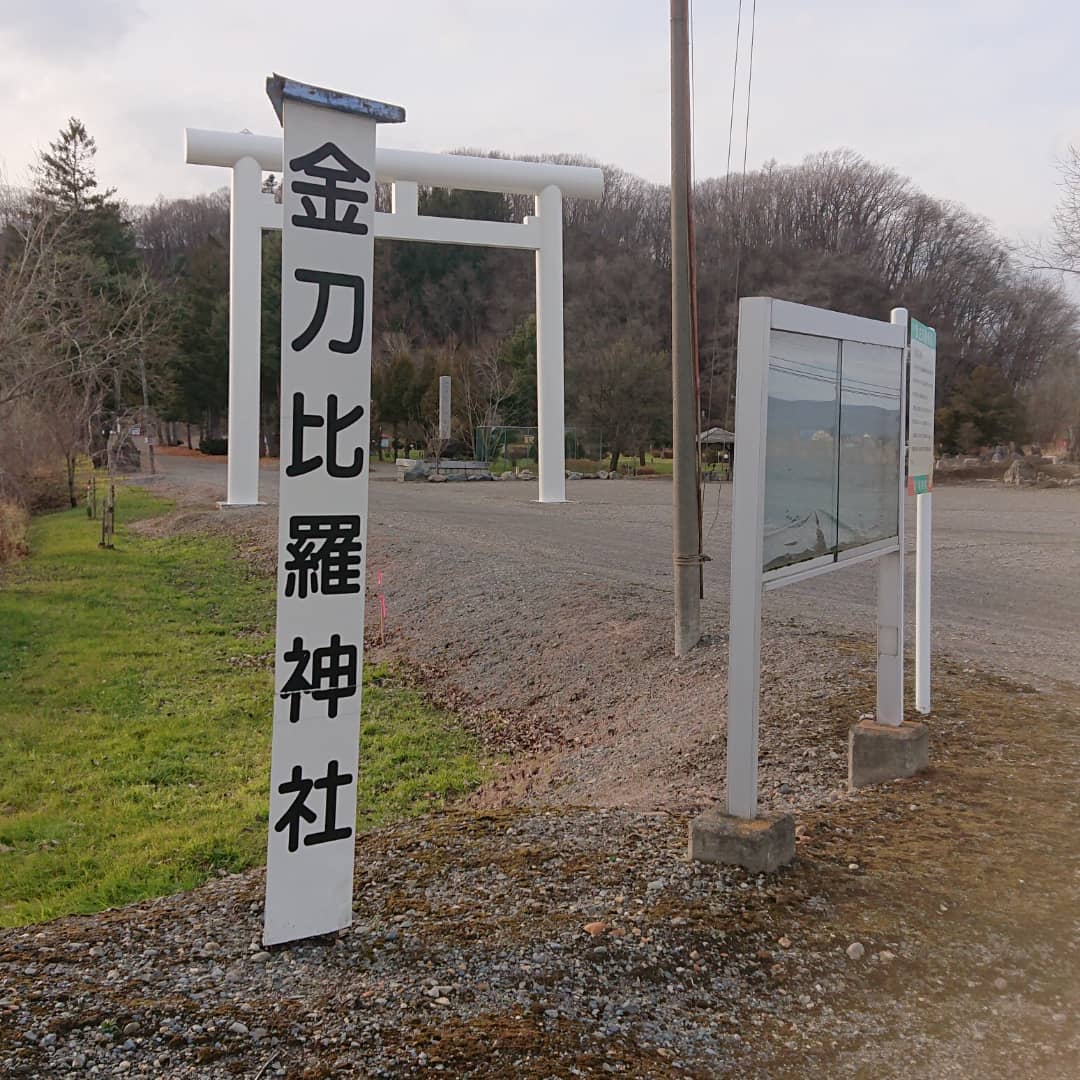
(550, 624)
(926, 927)
(1006, 571)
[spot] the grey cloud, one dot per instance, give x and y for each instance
(69, 28)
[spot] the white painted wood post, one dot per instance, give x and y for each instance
(245, 318)
(549, 347)
(744, 644)
(890, 606)
(327, 255)
(923, 570)
(405, 198)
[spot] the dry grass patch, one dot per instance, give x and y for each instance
(14, 526)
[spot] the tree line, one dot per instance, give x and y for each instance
(84, 328)
(109, 311)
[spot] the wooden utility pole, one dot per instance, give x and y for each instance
(683, 381)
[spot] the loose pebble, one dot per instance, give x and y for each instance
(456, 922)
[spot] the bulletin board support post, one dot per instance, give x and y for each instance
(890, 617)
(923, 565)
(744, 647)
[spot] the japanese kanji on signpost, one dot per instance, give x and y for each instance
(327, 255)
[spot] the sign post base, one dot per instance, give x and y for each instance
(879, 752)
(760, 845)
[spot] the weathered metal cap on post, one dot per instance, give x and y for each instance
(279, 89)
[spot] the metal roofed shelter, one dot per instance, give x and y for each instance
(717, 436)
(252, 210)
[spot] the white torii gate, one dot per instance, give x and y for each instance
(252, 210)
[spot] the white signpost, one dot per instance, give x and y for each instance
(327, 254)
(818, 486)
(922, 366)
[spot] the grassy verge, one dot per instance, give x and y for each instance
(135, 697)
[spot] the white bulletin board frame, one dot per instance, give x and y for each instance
(759, 317)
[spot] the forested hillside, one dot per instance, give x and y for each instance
(835, 231)
(144, 292)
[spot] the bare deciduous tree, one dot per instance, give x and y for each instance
(1054, 407)
(1066, 244)
(622, 393)
(171, 229)
(66, 342)
(481, 387)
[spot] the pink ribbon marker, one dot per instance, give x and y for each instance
(382, 607)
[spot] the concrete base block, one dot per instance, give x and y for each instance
(759, 845)
(878, 752)
(238, 506)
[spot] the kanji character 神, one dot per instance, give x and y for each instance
(334, 674)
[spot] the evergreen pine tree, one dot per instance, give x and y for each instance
(65, 175)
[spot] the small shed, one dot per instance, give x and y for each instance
(718, 461)
(717, 436)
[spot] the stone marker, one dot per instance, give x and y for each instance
(1020, 472)
(412, 470)
(760, 845)
(878, 752)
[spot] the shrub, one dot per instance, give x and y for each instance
(44, 490)
(217, 447)
(13, 526)
(32, 473)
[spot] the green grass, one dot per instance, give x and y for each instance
(135, 705)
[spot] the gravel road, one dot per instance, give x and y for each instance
(550, 625)
(1006, 570)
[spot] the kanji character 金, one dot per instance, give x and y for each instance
(341, 170)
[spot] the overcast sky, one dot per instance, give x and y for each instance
(974, 99)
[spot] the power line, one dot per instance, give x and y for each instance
(734, 86)
(738, 217)
(742, 202)
(749, 91)
(727, 168)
